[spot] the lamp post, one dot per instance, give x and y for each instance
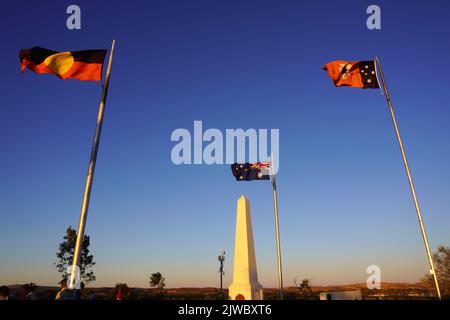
(221, 259)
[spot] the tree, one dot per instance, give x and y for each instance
(65, 256)
(305, 284)
(442, 265)
(305, 288)
(157, 281)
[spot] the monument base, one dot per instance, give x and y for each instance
(245, 292)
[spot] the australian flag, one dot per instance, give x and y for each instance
(251, 171)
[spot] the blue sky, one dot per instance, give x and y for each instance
(344, 198)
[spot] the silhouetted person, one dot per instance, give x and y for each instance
(65, 293)
(25, 291)
(30, 292)
(119, 294)
(4, 293)
(91, 295)
(49, 295)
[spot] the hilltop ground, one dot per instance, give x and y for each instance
(388, 291)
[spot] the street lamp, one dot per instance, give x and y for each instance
(221, 259)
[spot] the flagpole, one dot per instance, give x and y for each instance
(411, 183)
(277, 228)
(90, 175)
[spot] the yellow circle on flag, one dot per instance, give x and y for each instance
(59, 63)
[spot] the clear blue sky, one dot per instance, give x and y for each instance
(344, 198)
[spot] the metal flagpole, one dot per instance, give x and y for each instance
(90, 176)
(277, 228)
(411, 183)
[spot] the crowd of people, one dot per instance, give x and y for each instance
(29, 292)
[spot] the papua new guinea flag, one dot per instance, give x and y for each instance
(359, 74)
(82, 65)
(251, 171)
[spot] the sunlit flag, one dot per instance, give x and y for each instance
(359, 74)
(82, 65)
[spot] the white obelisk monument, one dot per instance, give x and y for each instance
(245, 284)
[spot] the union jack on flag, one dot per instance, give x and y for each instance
(251, 171)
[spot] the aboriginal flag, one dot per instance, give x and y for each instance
(82, 65)
(359, 74)
(251, 171)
